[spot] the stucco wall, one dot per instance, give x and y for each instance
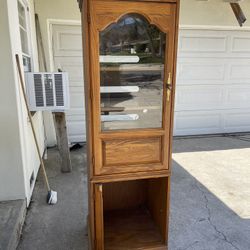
(213, 12)
(11, 168)
(32, 161)
(18, 158)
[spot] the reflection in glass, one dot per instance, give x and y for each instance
(132, 55)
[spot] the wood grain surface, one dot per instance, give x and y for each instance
(124, 151)
(128, 171)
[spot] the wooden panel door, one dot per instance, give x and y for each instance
(132, 58)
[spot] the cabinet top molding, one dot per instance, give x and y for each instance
(157, 1)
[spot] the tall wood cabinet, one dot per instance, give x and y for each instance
(129, 50)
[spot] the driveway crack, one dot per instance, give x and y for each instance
(222, 236)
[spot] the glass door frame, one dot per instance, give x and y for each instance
(162, 15)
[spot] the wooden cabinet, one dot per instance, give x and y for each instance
(129, 50)
(132, 214)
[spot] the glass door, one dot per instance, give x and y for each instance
(131, 80)
(132, 63)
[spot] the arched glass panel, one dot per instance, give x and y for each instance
(132, 58)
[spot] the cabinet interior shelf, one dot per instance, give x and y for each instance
(133, 217)
(131, 229)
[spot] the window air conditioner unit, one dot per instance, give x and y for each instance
(47, 91)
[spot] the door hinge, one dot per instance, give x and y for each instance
(93, 160)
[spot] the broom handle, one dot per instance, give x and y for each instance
(31, 122)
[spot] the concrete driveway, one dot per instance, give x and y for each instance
(210, 202)
(210, 199)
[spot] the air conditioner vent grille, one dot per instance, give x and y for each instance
(48, 82)
(59, 90)
(38, 90)
(47, 91)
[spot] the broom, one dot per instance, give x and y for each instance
(52, 195)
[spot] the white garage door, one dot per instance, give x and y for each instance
(67, 53)
(213, 80)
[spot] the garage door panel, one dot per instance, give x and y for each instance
(237, 96)
(68, 57)
(237, 119)
(76, 127)
(199, 97)
(240, 71)
(214, 43)
(213, 80)
(76, 102)
(75, 72)
(204, 97)
(75, 124)
(77, 84)
(191, 123)
(78, 138)
(241, 44)
(73, 65)
(210, 122)
(215, 71)
(67, 40)
(75, 87)
(192, 41)
(76, 112)
(75, 116)
(197, 71)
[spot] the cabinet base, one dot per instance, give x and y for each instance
(131, 229)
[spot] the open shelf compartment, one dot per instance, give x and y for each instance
(134, 214)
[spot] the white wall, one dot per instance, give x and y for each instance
(18, 158)
(32, 160)
(11, 167)
(212, 12)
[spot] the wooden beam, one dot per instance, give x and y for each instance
(62, 141)
(241, 18)
(80, 4)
